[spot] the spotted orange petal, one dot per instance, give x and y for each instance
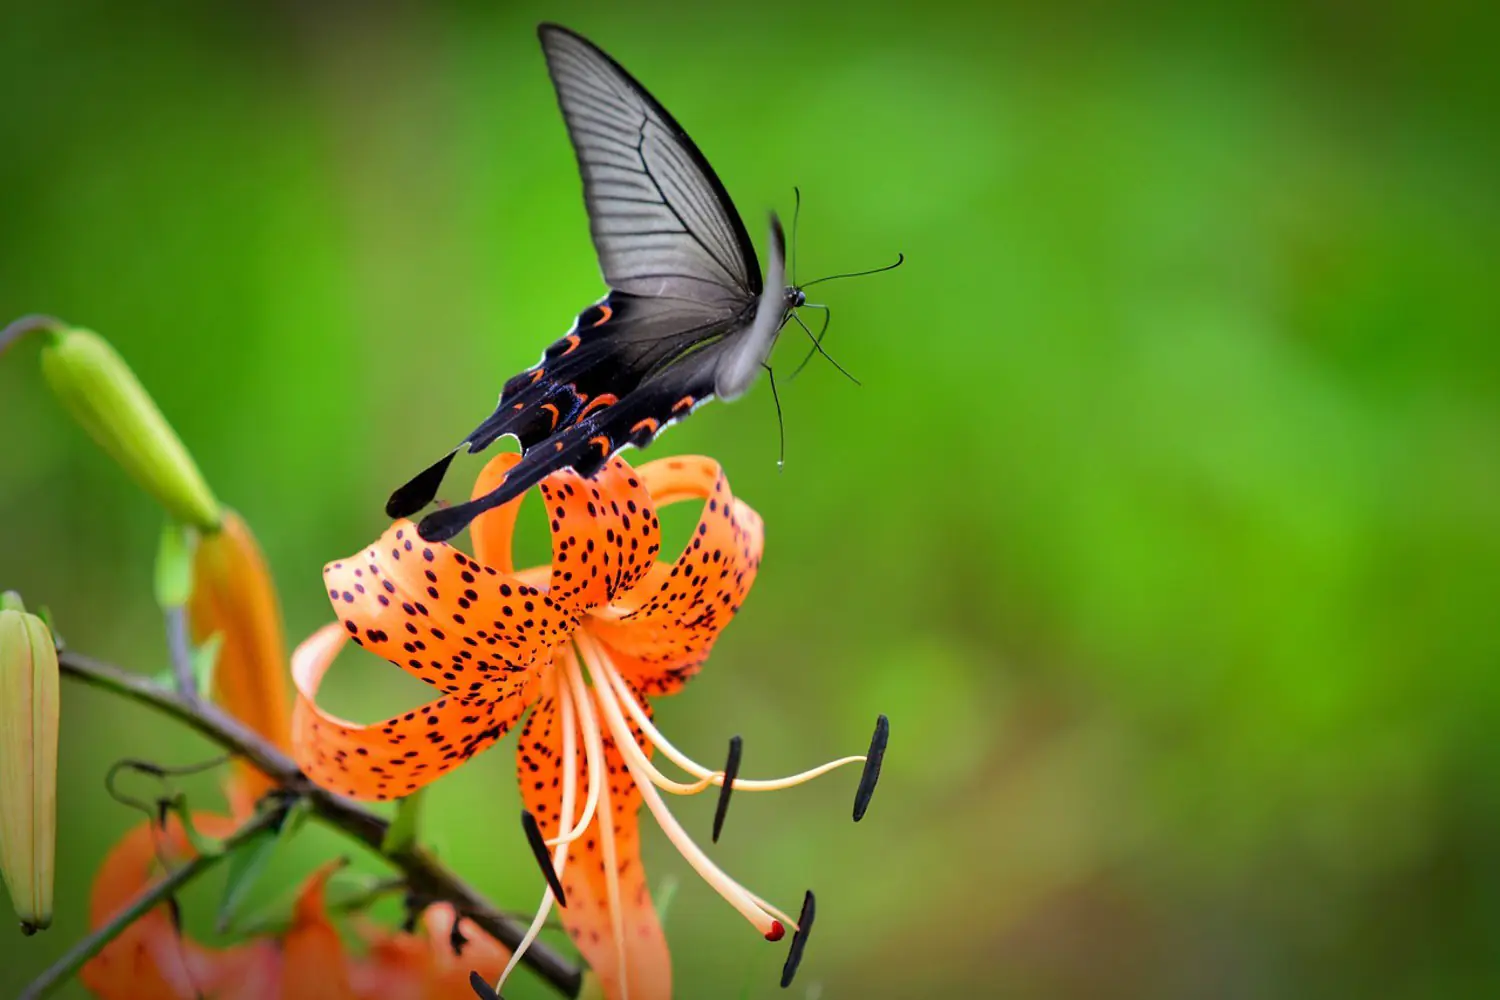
(661, 631)
(588, 916)
(394, 758)
(448, 619)
(605, 535)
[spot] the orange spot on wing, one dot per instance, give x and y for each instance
(573, 341)
(605, 312)
(555, 414)
(683, 403)
(558, 446)
(650, 424)
(599, 403)
(536, 376)
(602, 441)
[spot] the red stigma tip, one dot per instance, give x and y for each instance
(777, 931)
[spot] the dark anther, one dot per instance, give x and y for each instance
(481, 988)
(799, 940)
(543, 858)
(731, 771)
(871, 774)
(456, 938)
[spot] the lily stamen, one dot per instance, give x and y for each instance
(577, 698)
(567, 709)
(705, 775)
(636, 762)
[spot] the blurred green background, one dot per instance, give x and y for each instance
(1165, 525)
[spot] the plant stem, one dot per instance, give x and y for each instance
(180, 652)
(424, 874)
(152, 896)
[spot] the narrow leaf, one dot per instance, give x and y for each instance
(249, 860)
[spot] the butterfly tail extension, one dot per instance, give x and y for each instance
(420, 490)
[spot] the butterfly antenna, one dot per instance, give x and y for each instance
(900, 259)
(780, 424)
(827, 315)
(819, 348)
(796, 214)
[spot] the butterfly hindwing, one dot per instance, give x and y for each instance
(659, 401)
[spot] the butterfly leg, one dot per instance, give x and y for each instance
(780, 424)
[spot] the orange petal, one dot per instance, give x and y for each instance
(491, 532)
(314, 965)
(233, 595)
(661, 631)
(149, 960)
(587, 915)
(390, 759)
(443, 617)
(605, 535)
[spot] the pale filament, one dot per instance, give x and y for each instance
(635, 761)
(592, 747)
(682, 760)
(560, 852)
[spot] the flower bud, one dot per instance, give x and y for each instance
(234, 597)
(28, 762)
(103, 394)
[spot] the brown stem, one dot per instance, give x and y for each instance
(424, 874)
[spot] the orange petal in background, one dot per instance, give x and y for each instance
(149, 960)
(233, 595)
(661, 631)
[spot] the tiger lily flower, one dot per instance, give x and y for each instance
(152, 960)
(586, 642)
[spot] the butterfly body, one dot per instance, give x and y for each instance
(689, 316)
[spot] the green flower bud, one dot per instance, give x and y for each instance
(103, 394)
(28, 762)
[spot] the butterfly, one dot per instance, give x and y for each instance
(688, 316)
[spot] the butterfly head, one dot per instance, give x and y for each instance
(795, 298)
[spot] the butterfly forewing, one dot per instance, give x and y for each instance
(661, 220)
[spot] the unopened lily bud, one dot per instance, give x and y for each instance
(103, 394)
(28, 762)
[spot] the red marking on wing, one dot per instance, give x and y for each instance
(599, 402)
(650, 423)
(605, 312)
(573, 341)
(602, 441)
(683, 403)
(555, 414)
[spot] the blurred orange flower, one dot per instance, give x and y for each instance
(498, 641)
(151, 960)
(233, 596)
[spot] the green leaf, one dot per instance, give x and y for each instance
(174, 566)
(402, 833)
(205, 659)
(250, 858)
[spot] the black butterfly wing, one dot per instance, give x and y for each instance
(661, 399)
(662, 223)
(689, 316)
